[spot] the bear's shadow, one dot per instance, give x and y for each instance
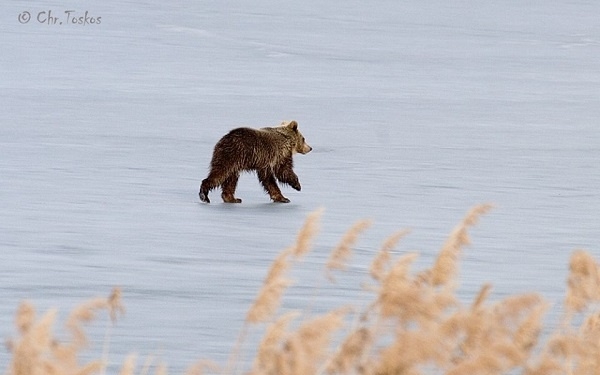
(258, 207)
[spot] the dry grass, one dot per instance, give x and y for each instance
(37, 351)
(415, 324)
(342, 252)
(266, 303)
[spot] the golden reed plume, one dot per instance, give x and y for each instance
(307, 233)
(38, 352)
(266, 303)
(444, 268)
(342, 252)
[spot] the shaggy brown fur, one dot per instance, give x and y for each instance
(268, 151)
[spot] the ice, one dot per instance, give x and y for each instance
(416, 112)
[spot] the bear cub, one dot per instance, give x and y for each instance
(268, 151)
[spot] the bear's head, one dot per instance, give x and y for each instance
(299, 143)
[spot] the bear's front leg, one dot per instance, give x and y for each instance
(267, 179)
(285, 174)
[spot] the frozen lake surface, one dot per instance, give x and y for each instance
(416, 112)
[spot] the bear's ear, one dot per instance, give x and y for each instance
(293, 125)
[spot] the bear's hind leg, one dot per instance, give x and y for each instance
(228, 187)
(213, 180)
(266, 178)
(205, 187)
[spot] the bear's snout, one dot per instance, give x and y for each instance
(306, 149)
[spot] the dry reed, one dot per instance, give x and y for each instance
(269, 354)
(444, 268)
(583, 283)
(203, 367)
(307, 233)
(414, 325)
(342, 252)
(38, 351)
(379, 266)
(266, 303)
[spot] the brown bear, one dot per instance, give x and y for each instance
(268, 151)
